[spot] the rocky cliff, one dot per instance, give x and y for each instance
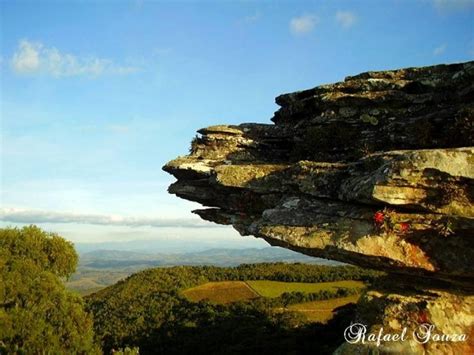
(376, 171)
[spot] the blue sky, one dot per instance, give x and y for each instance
(97, 95)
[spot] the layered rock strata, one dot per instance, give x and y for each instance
(376, 171)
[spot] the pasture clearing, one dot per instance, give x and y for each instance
(221, 292)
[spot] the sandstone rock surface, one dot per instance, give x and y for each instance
(376, 171)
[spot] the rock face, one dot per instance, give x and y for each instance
(376, 171)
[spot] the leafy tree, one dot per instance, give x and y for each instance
(48, 251)
(37, 314)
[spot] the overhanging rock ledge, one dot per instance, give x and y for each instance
(375, 171)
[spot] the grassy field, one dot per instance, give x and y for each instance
(231, 291)
(221, 292)
(322, 311)
(276, 288)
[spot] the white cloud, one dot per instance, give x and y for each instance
(35, 58)
(16, 215)
(440, 50)
(303, 24)
(448, 5)
(346, 19)
(26, 58)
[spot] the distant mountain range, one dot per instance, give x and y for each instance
(99, 268)
(113, 259)
(167, 246)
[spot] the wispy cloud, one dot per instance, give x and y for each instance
(251, 18)
(452, 5)
(119, 128)
(15, 215)
(303, 24)
(161, 51)
(440, 50)
(346, 19)
(36, 58)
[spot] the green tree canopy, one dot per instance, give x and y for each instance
(48, 251)
(37, 313)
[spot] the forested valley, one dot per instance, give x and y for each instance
(200, 309)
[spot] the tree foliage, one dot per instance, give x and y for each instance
(288, 298)
(48, 251)
(37, 314)
(147, 311)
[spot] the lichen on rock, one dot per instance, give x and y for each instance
(376, 171)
